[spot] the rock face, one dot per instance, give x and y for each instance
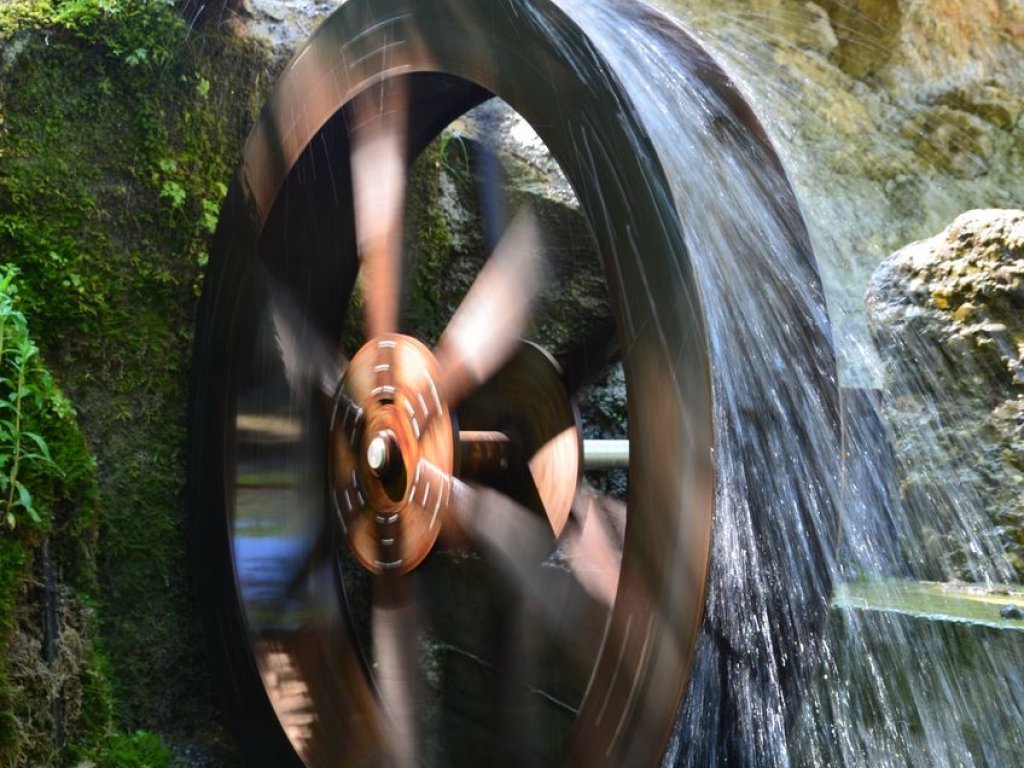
(284, 24)
(109, 239)
(894, 116)
(947, 315)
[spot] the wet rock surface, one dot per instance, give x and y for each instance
(947, 315)
(889, 677)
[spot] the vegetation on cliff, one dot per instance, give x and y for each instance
(53, 685)
(119, 128)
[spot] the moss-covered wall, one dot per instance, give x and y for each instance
(54, 695)
(119, 128)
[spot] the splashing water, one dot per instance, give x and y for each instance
(905, 685)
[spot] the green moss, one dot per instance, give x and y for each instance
(13, 567)
(138, 749)
(47, 557)
(430, 245)
(120, 129)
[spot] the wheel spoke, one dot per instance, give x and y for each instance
(513, 537)
(486, 327)
(308, 356)
(489, 179)
(519, 543)
(594, 550)
(379, 168)
(396, 656)
(584, 362)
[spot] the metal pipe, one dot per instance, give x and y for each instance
(605, 454)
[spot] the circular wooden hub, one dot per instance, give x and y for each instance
(527, 402)
(392, 453)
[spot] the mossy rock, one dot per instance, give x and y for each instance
(54, 694)
(120, 129)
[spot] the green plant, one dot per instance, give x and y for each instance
(110, 239)
(454, 154)
(138, 749)
(48, 493)
(136, 57)
(202, 86)
(174, 192)
(24, 384)
(211, 208)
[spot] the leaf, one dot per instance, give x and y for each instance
(136, 57)
(27, 349)
(44, 449)
(36, 458)
(211, 213)
(174, 192)
(25, 500)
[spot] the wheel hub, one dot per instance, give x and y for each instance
(527, 399)
(391, 454)
(380, 455)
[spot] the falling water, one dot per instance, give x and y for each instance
(904, 686)
(896, 680)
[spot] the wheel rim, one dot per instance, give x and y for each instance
(282, 225)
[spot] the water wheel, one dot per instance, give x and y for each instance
(397, 556)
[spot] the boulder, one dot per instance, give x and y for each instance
(1011, 612)
(947, 317)
(893, 117)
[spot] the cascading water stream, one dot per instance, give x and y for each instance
(890, 690)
